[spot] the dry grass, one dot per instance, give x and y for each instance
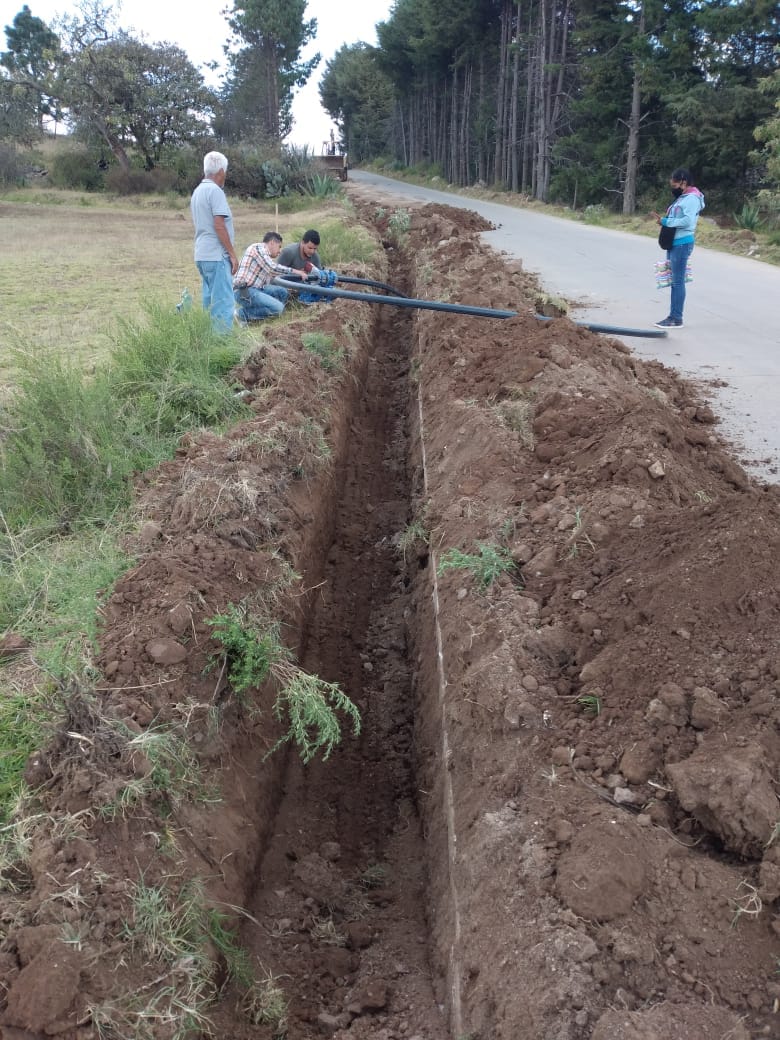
(72, 263)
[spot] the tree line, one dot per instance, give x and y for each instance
(585, 102)
(138, 101)
(578, 101)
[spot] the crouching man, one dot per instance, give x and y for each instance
(255, 297)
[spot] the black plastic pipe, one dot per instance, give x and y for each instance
(376, 285)
(302, 283)
(612, 330)
(454, 308)
(396, 301)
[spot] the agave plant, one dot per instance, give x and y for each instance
(321, 186)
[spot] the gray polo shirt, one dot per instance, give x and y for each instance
(291, 256)
(209, 201)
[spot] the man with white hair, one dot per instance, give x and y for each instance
(215, 255)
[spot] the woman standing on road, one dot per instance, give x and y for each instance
(680, 219)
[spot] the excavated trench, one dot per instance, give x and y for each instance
(339, 913)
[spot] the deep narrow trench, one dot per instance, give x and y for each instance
(340, 905)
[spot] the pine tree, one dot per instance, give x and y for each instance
(266, 66)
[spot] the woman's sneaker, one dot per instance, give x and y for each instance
(669, 323)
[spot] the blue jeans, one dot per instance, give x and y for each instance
(678, 255)
(217, 294)
(267, 302)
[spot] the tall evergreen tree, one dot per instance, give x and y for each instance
(359, 98)
(31, 60)
(581, 100)
(767, 134)
(397, 59)
(266, 67)
(716, 119)
(439, 58)
(591, 153)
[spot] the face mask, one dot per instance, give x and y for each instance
(677, 192)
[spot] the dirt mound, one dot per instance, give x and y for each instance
(553, 595)
(612, 697)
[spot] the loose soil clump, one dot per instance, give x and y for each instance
(532, 564)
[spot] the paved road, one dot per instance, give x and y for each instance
(732, 313)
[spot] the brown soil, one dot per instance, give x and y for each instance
(560, 818)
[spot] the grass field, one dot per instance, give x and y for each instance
(99, 379)
(72, 264)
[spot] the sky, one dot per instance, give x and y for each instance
(202, 36)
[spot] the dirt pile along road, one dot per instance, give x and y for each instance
(553, 596)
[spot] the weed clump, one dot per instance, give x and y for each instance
(330, 357)
(254, 652)
(485, 565)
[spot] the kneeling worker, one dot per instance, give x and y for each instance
(304, 257)
(255, 297)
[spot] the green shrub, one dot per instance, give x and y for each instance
(595, 213)
(384, 162)
(78, 169)
(265, 171)
(167, 370)
(426, 170)
(249, 651)
(186, 165)
(140, 182)
(768, 202)
(301, 165)
(245, 172)
(309, 705)
(292, 172)
(399, 223)
(11, 169)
